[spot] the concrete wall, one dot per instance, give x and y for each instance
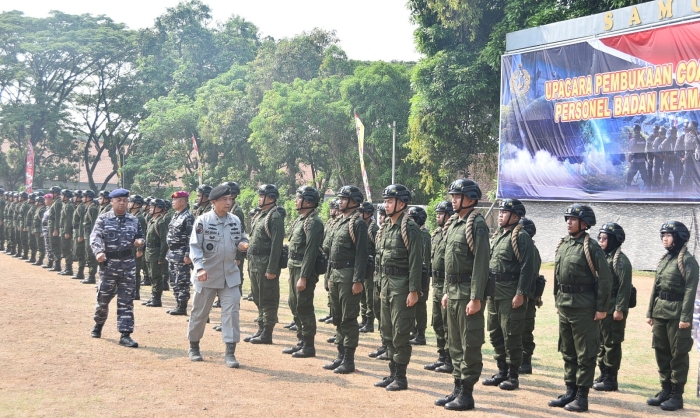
(641, 223)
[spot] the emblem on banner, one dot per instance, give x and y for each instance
(520, 81)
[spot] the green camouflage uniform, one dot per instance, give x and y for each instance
(24, 227)
(156, 250)
(264, 257)
(66, 227)
(38, 230)
(79, 235)
(92, 211)
(437, 258)
(54, 227)
(29, 225)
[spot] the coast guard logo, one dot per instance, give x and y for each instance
(520, 81)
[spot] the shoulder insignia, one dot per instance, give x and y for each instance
(200, 228)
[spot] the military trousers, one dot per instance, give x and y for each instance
(671, 346)
(579, 340)
(301, 303)
(179, 275)
(117, 279)
(505, 326)
(266, 293)
(157, 272)
(33, 246)
(91, 261)
(422, 311)
(398, 320)
(377, 304)
(79, 252)
(2, 234)
(47, 245)
(367, 301)
(439, 315)
(612, 334)
(529, 328)
(56, 246)
(40, 244)
(345, 308)
(230, 298)
(465, 336)
(24, 236)
(635, 167)
(66, 249)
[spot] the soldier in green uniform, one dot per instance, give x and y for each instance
(327, 230)
(264, 254)
(105, 202)
(670, 314)
(3, 203)
(147, 215)
(534, 302)
(29, 224)
(203, 204)
(16, 208)
(400, 260)
(305, 240)
(92, 211)
(9, 220)
(466, 275)
(582, 288)
(135, 207)
(54, 227)
(418, 215)
(23, 227)
(156, 251)
(367, 303)
(66, 231)
(37, 229)
(79, 234)
(380, 352)
(612, 327)
(512, 258)
(443, 364)
(347, 265)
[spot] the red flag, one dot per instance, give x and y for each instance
(29, 174)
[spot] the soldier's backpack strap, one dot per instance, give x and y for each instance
(514, 242)
(587, 251)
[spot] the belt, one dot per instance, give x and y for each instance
(296, 256)
(506, 277)
(176, 246)
(673, 297)
(394, 271)
(458, 278)
(114, 255)
(254, 251)
(438, 274)
(341, 264)
(576, 288)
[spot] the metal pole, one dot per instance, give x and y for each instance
(393, 154)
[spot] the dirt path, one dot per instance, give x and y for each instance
(51, 367)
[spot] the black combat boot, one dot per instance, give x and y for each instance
(230, 358)
(603, 373)
(512, 382)
(348, 364)
(90, 279)
(25, 255)
(381, 350)
(400, 382)
(97, 330)
(323, 318)
(384, 356)
(154, 302)
(146, 281)
(439, 362)
(464, 401)
(447, 367)
(81, 273)
(181, 309)
(662, 396)
(256, 334)
(675, 399)
(335, 363)
(48, 265)
(580, 403)
(293, 328)
(166, 285)
(217, 303)
(293, 349)
(369, 325)
(419, 339)
(451, 397)
(68, 271)
(526, 367)
(32, 259)
(609, 384)
(329, 320)
(389, 379)
(289, 325)
(331, 340)
(307, 349)
(265, 337)
(193, 352)
(137, 291)
(56, 265)
(40, 260)
(364, 321)
(126, 340)
(497, 378)
(563, 400)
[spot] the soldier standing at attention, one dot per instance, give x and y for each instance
(443, 364)
(418, 215)
(379, 353)
(66, 230)
(3, 203)
(78, 236)
(367, 305)
(29, 223)
(203, 203)
(400, 259)
(22, 226)
(327, 229)
(46, 232)
(112, 240)
(637, 157)
(105, 203)
(91, 213)
(38, 229)
(54, 226)
(305, 240)
(135, 207)
(671, 314)
(179, 262)
(156, 251)
(612, 327)
(534, 301)
(266, 239)
(582, 288)
(466, 275)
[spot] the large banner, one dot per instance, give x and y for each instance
(29, 171)
(609, 119)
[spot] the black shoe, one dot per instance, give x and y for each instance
(526, 367)
(512, 382)
(90, 280)
(675, 399)
(497, 378)
(662, 396)
(256, 334)
(384, 356)
(331, 340)
(265, 337)
(230, 358)
(439, 362)
(364, 321)
(126, 340)
(48, 265)
(451, 397)
(289, 325)
(323, 319)
(580, 403)
(329, 320)
(307, 349)
(400, 382)
(609, 384)
(217, 303)
(447, 367)
(180, 310)
(603, 372)
(249, 297)
(335, 363)
(389, 379)
(419, 339)
(293, 349)
(97, 331)
(193, 352)
(137, 292)
(348, 364)
(563, 400)
(217, 328)
(464, 401)
(368, 327)
(154, 302)
(381, 350)
(293, 328)
(146, 281)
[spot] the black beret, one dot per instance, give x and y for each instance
(219, 191)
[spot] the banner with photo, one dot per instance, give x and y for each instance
(608, 119)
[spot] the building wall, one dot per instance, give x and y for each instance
(641, 223)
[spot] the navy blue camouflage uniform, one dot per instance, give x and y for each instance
(178, 238)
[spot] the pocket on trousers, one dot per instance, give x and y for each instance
(592, 342)
(618, 331)
(407, 320)
(270, 291)
(684, 341)
(515, 326)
